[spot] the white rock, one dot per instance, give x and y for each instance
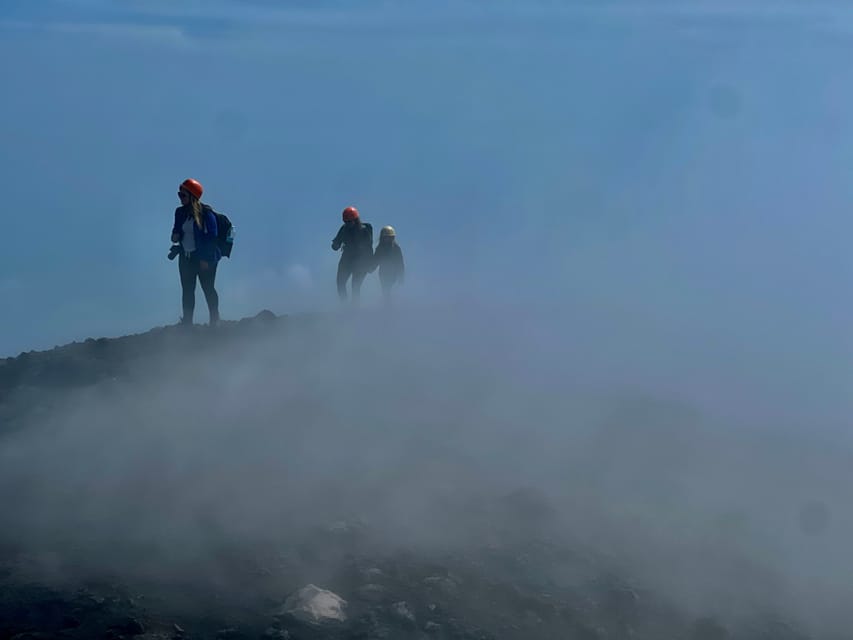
(402, 611)
(432, 628)
(314, 605)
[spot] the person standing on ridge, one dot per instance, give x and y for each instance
(388, 257)
(195, 235)
(356, 238)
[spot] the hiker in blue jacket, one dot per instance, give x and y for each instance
(195, 236)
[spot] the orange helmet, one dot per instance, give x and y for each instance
(350, 214)
(193, 186)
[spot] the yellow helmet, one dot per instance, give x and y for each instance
(387, 232)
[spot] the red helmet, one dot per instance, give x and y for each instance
(193, 186)
(350, 214)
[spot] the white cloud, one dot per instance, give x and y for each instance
(383, 12)
(246, 23)
(160, 33)
(267, 288)
(300, 276)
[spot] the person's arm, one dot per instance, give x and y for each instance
(375, 259)
(367, 240)
(338, 240)
(176, 228)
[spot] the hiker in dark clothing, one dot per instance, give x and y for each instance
(356, 238)
(388, 257)
(195, 235)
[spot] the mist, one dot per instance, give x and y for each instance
(428, 434)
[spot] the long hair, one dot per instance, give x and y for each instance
(195, 203)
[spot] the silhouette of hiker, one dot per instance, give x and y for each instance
(356, 238)
(388, 258)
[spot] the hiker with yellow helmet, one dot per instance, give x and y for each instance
(388, 257)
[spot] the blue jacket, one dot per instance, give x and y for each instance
(206, 246)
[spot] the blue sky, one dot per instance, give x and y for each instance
(683, 167)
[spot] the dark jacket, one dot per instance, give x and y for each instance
(206, 246)
(357, 242)
(389, 258)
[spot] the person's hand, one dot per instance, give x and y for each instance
(204, 265)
